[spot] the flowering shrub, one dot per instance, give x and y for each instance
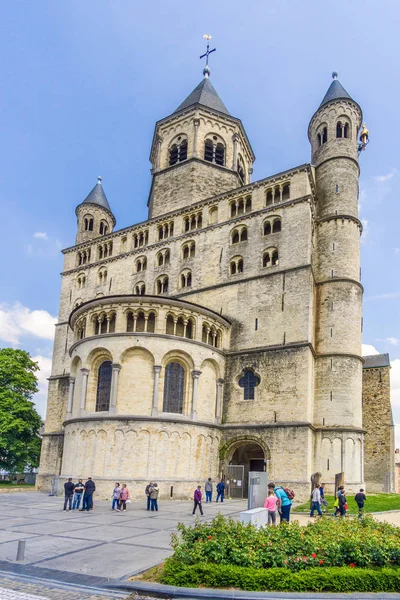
(327, 543)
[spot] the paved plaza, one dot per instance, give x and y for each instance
(101, 543)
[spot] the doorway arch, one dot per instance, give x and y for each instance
(249, 455)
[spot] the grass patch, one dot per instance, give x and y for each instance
(8, 484)
(151, 575)
(374, 503)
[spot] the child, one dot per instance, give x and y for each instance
(115, 497)
(271, 504)
(360, 498)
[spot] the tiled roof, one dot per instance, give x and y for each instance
(335, 92)
(97, 196)
(205, 95)
(376, 360)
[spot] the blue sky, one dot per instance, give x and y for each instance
(84, 82)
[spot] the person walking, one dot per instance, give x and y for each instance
(360, 499)
(153, 497)
(285, 503)
(324, 501)
(115, 497)
(78, 495)
(147, 492)
(337, 501)
(88, 495)
(68, 492)
(220, 491)
(316, 501)
(197, 500)
(208, 488)
(123, 497)
(271, 504)
(342, 503)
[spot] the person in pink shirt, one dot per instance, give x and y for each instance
(123, 497)
(271, 504)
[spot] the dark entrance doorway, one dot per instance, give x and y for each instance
(251, 456)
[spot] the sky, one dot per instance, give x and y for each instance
(83, 83)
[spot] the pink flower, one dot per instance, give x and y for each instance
(304, 558)
(286, 562)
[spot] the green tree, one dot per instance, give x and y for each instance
(19, 422)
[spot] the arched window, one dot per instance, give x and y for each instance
(275, 258)
(269, 197)
(339, 129)
(174, 388)
(276, 226)
(139, 289)
(103, 386)
(193, 221)
(88, 223)
(163, 257)
(236, 265)
(239, 235)
(286, 191)
(240, 169)
(188, 250)
(249, 382)
(165, 230)
(178, 151)
(186, 279)
(267, 228)
(266, 259)
(151, 322)
(102, 276)
(214, 151)
(81, 281)
(346, 130)
(213, 215)
(141, 264)
(140, 239)
(240, 206)
(322, 136)
(162, 285)
(140, 322)
(103, 228)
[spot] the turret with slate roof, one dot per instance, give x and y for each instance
(198, 151)
(94, 214)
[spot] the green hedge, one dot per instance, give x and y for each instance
(328, 579)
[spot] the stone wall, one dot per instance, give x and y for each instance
(379, 438)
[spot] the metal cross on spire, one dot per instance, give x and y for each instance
(206, 70)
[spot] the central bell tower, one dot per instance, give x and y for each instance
(198, 152)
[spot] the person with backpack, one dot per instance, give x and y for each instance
(343, 506)
(360, 498)
(153, 497)
(285, 496)
(220, 491)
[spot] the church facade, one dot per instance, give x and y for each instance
(226, 329)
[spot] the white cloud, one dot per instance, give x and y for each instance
(40, 235)
(388, 296)
(383, 178)
(40, 398)
(17, 321)
(392, 340)
(369, 350)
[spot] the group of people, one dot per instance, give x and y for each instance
(208, 488)
(75, 492)
(279, 502)
(120, 497)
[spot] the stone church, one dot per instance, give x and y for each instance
(223, 334)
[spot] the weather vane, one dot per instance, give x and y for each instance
(206, 71)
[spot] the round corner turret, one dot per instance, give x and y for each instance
(94, 216)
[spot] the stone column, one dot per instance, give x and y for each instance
(196, 124)
(158, 158)
(195, 375)
(157, 371)
(220, 390)
(250, 174)
(85, 374)
(70, 394)
(235, 139)
(114, 387)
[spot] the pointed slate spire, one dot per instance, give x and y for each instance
(335, 92)
(205, 95)
(97, 196)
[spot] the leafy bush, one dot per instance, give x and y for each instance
(326, 543)
(333, 579)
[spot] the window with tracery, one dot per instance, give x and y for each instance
(240, 206)
(322, 136)
(83, 257)
(211, 335)
(239, 235)
(104, 386)
(272, 225)
(162, 285)
(214, 150)
(102, 275)
(104, 250)
(342, 129)
(81, 281)
(178, 151)
(249, 381)
(174, 384)
(270, 257)
(188, 250)
(141, 238)
(193, 221)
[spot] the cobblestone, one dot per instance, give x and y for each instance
(13, 589)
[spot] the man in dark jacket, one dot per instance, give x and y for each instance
(220, 491)
(147, 492)
(88, 494)
(69, 492)
(360, 498)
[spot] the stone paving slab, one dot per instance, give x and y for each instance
(107, 533)
(153, 539)
(113, 560)
(42, 547)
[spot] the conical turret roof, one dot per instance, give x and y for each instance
(205, 95)
(97, 196)
(335, 91)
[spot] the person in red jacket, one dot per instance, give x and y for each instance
(197, 500)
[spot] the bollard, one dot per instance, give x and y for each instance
(172, 491)
(21, 550)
